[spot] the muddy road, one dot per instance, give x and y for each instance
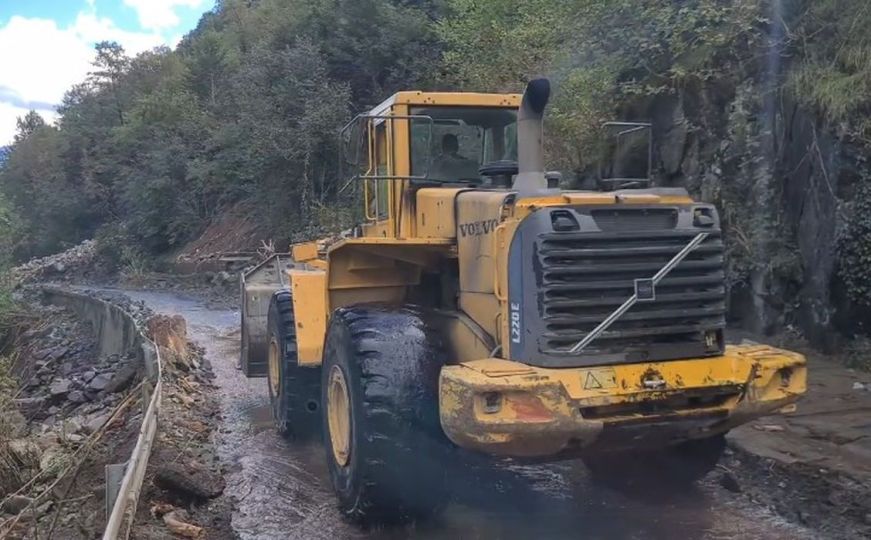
(281, 489)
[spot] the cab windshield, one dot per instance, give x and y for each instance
(462, 139)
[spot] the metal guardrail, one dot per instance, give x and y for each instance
(122, 499)
(127, 498)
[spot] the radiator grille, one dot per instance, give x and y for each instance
(583, 277)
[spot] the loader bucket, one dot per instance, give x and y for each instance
(257, 285)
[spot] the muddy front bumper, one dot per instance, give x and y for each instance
(511, 409)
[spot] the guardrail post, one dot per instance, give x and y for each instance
(114, 476)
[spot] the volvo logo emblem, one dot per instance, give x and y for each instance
(645, 290)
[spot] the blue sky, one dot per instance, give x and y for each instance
(46, 46)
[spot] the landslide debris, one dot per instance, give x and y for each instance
(183, 494)
(79, 263)
(67, 412)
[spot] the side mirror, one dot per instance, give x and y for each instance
(627, 158)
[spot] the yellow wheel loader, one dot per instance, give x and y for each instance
(480, 307)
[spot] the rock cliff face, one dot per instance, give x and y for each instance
(783, 181)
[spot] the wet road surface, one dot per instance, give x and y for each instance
(281, 489)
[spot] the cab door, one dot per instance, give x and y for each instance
(378, 183)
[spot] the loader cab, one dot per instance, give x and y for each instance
(460, 141)
(424, 139)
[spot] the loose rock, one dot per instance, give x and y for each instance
(188, 485)
(60, 388)
(122, 378)
(730, 483)
(15, 504)
(95, 422)
(99, 383)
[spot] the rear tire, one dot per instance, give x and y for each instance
(386, 461)
(638, 472)
(294, 391)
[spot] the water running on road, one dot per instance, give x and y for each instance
(281, 489)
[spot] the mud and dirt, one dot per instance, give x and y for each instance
(184, 478)
(279, 489)
(814, 466)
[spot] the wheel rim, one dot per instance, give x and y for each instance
(274, 369)
(339, 416)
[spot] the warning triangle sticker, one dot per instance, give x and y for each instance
(592, 383)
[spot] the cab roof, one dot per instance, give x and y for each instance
(455, 99)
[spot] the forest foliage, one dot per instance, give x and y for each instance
(150, 149)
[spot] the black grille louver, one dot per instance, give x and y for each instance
(582, 277)
(587, 276)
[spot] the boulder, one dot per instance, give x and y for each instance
(95, 422)
(60, 388)
(99, 383)
(77, 396)
(188, 484)
(122, 378)
(15, 504)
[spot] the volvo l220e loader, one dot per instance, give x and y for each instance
(480, 308)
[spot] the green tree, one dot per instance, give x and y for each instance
(27, 125)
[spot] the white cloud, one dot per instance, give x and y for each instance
(41, 61)
(91, 28)
(160, 14)
(10, 113)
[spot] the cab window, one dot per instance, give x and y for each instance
(377, 190)
(462, 139)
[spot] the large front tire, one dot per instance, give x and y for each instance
(294, 391)
(382, 434)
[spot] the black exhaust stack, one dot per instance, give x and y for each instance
(531, 178)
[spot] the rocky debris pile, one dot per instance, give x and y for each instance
(76, 262)
(185, 483)
(77, 415)
(63, 380)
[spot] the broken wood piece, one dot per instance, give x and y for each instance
(176, 522)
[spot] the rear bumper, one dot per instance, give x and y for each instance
(511, 409)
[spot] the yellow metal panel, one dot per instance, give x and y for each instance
(305, 252)
(598, 197)
(436, 215)
(603, 385)
(463, 343)
(479, 213)
(310, 314)
(542, 411)
(404, 242)
(459, 99)
(364, 295)
(377, 269)
(483, 308)
(403, 196)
